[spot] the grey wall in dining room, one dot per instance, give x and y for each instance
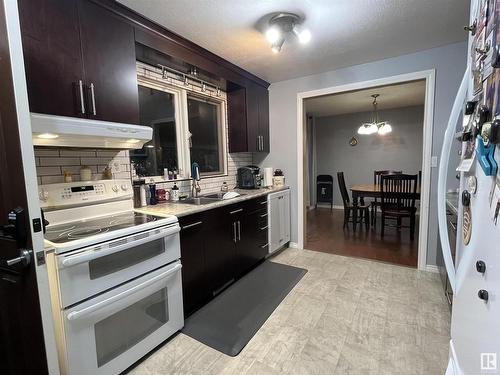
(449, 63)
(399, 150)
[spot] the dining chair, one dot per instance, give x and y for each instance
(399, 193)
(362, 209)
(375, 203)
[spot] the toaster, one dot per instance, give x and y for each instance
(248, 177)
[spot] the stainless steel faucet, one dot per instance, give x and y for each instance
(195, 175)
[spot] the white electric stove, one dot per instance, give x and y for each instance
(110, 268)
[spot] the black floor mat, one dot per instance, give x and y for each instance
(228, 322)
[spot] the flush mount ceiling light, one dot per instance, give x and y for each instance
(282, 24)
(375, 126)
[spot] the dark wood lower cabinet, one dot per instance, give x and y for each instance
(194, 277)
(252, 241)
(218, 246)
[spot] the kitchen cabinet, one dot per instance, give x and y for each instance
(108, 50)
(279, 219)
(252, 244)
(220, 248)
(193, 261)
(248, 116)
(79, 60)
(220, 245)
(52, 55)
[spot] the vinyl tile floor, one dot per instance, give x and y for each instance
(346, 316)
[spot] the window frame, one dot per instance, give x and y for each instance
(151, 77)
(222, 139)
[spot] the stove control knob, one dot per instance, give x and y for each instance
(115, 188)
(480, 266)
(124, 187)
(483, 294)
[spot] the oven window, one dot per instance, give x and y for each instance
(123, 259)
(125, 328)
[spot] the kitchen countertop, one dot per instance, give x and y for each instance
(452, 202)
(183, 209)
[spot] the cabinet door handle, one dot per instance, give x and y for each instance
(192, 225)
(264, 246)
(234, 232)
(92, 94)
(263, 215)
(236, 211)
(263, 202)
(239, 231)
(82, 100)
(264, 228)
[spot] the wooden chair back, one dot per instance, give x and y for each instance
(377, 174)
(398, 191)
(343, 190)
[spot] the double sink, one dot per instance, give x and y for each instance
(206, 199)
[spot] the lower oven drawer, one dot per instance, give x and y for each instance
(86, 272)
(108, 333)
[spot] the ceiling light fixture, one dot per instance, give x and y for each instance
(375, 126)
(282, 24)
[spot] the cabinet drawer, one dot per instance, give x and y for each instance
(256, 204)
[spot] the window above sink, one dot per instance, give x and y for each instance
(189, 125)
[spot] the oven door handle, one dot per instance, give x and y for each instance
(92, 254)
(78, 314)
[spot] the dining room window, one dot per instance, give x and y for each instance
(189, 125)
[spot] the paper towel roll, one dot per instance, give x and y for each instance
(268, 177)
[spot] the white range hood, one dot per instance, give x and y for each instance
(49, 130)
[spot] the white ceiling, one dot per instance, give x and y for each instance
(393, 96)
(345, 32)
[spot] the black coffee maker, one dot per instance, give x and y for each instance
(249, 177)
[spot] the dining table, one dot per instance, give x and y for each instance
(363, 191)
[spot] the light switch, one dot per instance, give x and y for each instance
(434, 161)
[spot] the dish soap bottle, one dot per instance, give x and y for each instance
(224, 188)
(175, 193)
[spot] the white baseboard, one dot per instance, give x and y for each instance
(293, 245)
(432, 268)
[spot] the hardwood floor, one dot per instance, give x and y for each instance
(325, 234)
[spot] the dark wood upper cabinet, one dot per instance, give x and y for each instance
(52, 55)
(263, 95)
(248, 116)
(108, 50)
(237, 118)
(71, 46)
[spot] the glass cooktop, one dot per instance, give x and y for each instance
(91, 227)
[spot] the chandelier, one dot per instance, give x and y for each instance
(375, 126)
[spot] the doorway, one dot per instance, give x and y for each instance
(328, 124)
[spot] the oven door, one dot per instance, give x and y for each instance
(86, 272)
(110, 332)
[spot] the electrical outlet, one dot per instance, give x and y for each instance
(434, 161)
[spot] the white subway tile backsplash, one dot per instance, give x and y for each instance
(48, 171)
(44, 162)
(46, 152)
(77, 153)
(52, 163)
